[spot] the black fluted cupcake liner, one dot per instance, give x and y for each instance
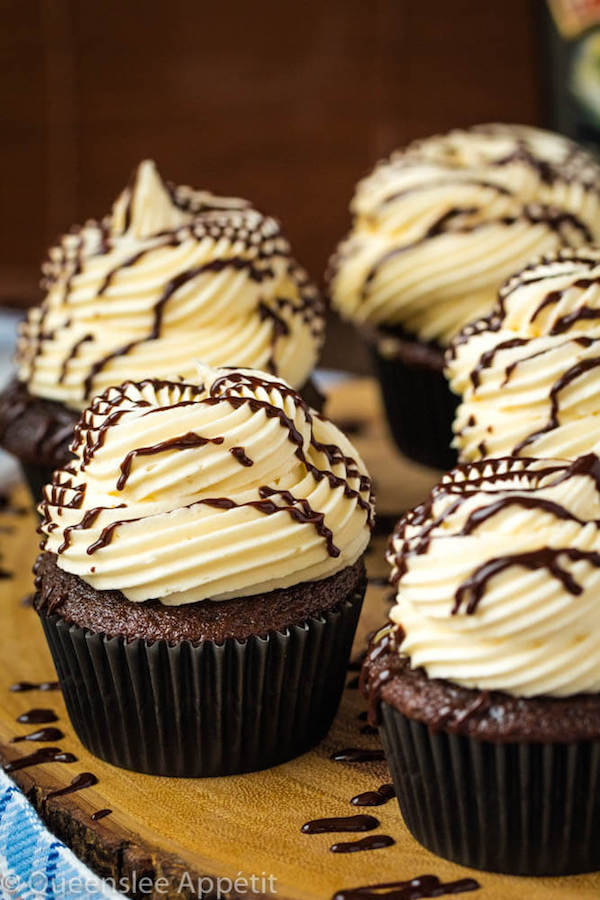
(36, 477)
(206, 709)
(420, 408)
(517, 808)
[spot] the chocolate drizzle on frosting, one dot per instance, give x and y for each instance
(194, 260)
(240, 396)
(414, 532)
(542, 342)
(185, 442)
(500, 193)
(472, 589)
(496, 577)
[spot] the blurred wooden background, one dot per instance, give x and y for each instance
(286, 103)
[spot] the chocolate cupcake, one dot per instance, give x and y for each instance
(202, 573)
(486, 683)
(171, 276)
(527, 375)
(436, 230)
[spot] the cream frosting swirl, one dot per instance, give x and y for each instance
(498, 577)
(171, 276)
(528, 374)
(223, 487)
(440, 225)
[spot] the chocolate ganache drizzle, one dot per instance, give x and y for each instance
(441, 223)
(171, 276)
(498, 574)
(162, 503)
(528, 373)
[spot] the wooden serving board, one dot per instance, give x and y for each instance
(238, 826)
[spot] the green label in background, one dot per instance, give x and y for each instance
(571, 69)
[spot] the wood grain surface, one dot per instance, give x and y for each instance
(249, 824)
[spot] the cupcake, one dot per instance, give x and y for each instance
(486, 682)
(437, 228)
(172, 275)
(202, 573)
(527, 375)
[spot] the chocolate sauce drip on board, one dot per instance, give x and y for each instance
(357, 755)
(418, 888)
(84, 780)
(42, 755)
(371, 842)
(383, 794)
(22, 686)
(43, 735)
(340, 823)
(37, 717)
(100, 814)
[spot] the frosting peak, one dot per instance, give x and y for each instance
(498, 575)
(173, 275)
(439, 225)
(222, 486)
(146, 207)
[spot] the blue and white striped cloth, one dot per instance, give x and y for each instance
(33, 863)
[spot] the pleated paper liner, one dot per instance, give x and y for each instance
(206, 709)
(418, 402)
(517, 808)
